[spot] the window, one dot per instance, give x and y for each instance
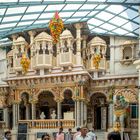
(134, 111)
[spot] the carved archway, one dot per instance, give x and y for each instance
(97, 111)
(129, 94)
(68, 104)
(46, 104)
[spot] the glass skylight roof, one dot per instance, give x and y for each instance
(116, 17)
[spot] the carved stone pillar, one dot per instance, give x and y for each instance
(78, 27)
(27, 112)
(78, 113)
(75, 113)
(32, 34)
(33, 103)
(112, 59)
(14, 115)
(59, 115)
(85, 113)
(82, 113)
(110, 116)
(6, 116)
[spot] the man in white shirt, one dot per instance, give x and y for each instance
(83, 135)
(92, 134)
(7, 135)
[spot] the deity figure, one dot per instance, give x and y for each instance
(42, 115)
(53, 115)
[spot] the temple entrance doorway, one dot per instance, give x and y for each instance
(46, 105)
(68, 105)
(25, 107)
(97, 112)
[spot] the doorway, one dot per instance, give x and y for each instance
(97, 112)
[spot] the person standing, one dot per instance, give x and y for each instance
(77, 133)
(69, 135)
(92, 134)
(60, 134)
(114, 136)
(7, 135)
(83, 135)
(45, 137)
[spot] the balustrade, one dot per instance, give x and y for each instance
(49, 124)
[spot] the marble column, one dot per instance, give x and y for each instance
(110, 116)
(82, 113)
(6, 117)
(112, 57)
(85, 113)
(78, 27)
(78, 113)
(33, 110)
(59, 116)
(75, 113)
(14, 116)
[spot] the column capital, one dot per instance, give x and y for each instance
(84, 37)
(31, 33)
(33, 101)
(14, 37)
(78, 25)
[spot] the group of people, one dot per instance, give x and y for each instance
(81, 134)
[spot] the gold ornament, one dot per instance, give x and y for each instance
(25, 63)
(96, 60)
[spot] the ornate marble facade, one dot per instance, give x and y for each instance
(62, 77)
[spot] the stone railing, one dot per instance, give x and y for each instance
(134, 123)
(49, 124)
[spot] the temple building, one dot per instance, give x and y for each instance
(72, 83)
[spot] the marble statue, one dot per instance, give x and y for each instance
(53, 115)
(42, 115)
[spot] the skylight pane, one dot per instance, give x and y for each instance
(75, 0)
(115, 8)
(115, 0)
(130, 34)
(98, 30)
(80, 14)
(36, 8)
(73, 20)
(32, 16)
(46, 15)
(65, 14)
(16, 10)
(8, 1)
(108, 26)
(104, 15)
(12, 18)
(137, 19)
(28, 0)
(101, 7)
(120, 31)
(2, 11)
(54, 7)
(130, 26)
(25, 23)
(118, 21)
(130, 14)
(53, 0)
(41, 21)
(97, 0)
(93, 13)
(88, 6)
(95, 22)
(7, 25)
(72, 6)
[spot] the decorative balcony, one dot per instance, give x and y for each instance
(49, 124)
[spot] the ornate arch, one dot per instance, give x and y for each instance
(41, 90)
(129, 94)
(67, 88)
(99, 92)
(23, 91)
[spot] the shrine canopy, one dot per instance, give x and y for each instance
(103, 17)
